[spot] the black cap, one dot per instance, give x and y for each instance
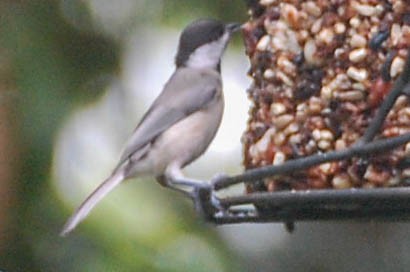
(196, 34)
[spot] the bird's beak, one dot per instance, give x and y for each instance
(233, 27)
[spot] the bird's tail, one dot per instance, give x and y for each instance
(92, 200)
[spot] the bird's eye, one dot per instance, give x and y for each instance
(217, 32)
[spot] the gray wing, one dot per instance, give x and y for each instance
(185, 93)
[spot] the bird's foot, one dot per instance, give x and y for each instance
(201, 195)
(215, 200)
(216, 203)
(206, 202)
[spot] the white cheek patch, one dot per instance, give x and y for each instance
(208, 55)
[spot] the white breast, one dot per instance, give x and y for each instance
(184, 141)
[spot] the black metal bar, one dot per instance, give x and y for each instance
(324, 196)
(366, 214)
(385, 107)
(391, 204)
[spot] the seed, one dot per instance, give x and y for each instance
(357, 74)
(316, 134)
(340, 82)
(340, 28)
(310, 52)
(350, 95)
(286, 65)
(339, 52)
(286, 39)
(310, 146)
(375, 176)
(316, 26)
(267, 2)
(379, 9)
(326, 167)
(303, 35)
(358, 86)
(279, 158)
(291, 128)
(315, 105)
(295, 139)
(263, 43)
(397, 66)
(311, 8)
(326, 135)
(282, 121)
(374, 20)
(290, 14)
(262, 145)
(391, 132)
(358, 41)
(393, 181)
(268, 74)
(326, 93)
(364, 10)
(284, 78)
(340, 144)
(279, 138)
(395, 34)
(341, 11)
(326, 35)
(358, 55)
(301, 108)
(401, 101)
(406, 32)
(386, 66)
(404, 116)
(277, 108)
(341, 181)
(407, 148)
(252, 151)
(355, 22)
(405, 173)
(270, 185)
(399, 6)
(324, 145)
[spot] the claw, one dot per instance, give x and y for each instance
(216, 203)
(201, 196)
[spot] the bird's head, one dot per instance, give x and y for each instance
(203, 42)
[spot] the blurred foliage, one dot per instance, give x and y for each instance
(54, 49)
(226, 10)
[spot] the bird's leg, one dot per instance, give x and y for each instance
(201, 193)
(168, 183)
(174, 179)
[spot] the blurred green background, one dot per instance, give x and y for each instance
(60, 62)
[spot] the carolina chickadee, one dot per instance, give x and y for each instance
(182, 121)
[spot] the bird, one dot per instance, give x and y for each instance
(182, 121)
